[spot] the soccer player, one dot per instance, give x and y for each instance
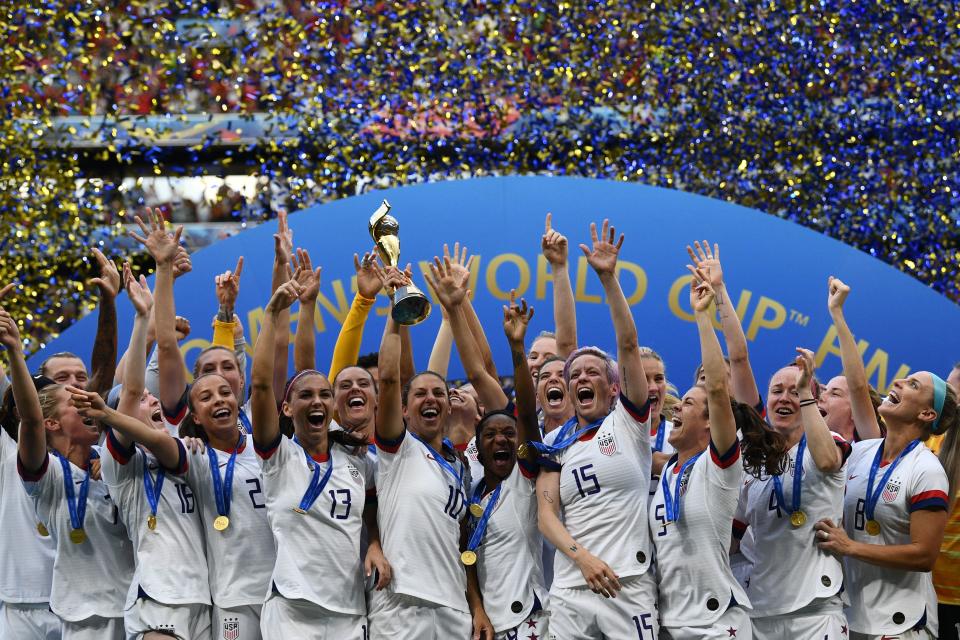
(895, 510)
(599, 476)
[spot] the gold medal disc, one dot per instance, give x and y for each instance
(152, 522)
(523, 450)
(798, 518)
(476, 510)
(468, 558)
(78, 536)
(221, 523)
(299, 510)
(873, 527)
(42, 530)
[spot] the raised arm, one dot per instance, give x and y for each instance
(826, 454)
(442, 346)
(347, 348)
(163, 247)
(389, 421)
(603, 258)
(304, 341)
(103, 360)
(282, 258)
(263, 404)
(554, 247)
(723, 426)
(516, 319)
(741, 373)
(32, 444)
(135, 378)
(450, 287)
(861, 408)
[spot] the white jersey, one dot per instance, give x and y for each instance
(177, 540)
(789, 570)
(884, 600)
(658, 444)
(509, 565)
(90, 578)
(241, 557)
(420, 506)
(27, 566)
(324, 541)
(604, 486)
(473, 457)
(693, 567)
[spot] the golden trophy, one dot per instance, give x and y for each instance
(410, 306)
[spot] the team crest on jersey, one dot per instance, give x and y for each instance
(354, 472)
(472, 452)
(607, 444)
(231, 629)
(890, 491)
(793, 468)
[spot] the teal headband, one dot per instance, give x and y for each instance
(939, 395)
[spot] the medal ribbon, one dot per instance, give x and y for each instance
(76, 504)
(482, 521)
(661, 432)
(315, 488)
(797, 478)
(245, 421)
(446, 466)
(563, 440)
(873, 495)
(153, 489)
(671, 502)
(223, 489)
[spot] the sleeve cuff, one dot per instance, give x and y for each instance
(182, 464)
(739, 528)
(640, 414)
(179, 412)
(727, 459)
(845, 448)
(121, 454)
(389, 446)
(530, 470)
(27, 476)
(931, 500)
(266, 452)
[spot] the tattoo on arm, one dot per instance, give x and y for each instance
(518, 357)
(719, 299)
(546, 496)
(573, 548)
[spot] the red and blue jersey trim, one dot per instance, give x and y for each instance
(179, 412)
(739, 529)
(266, 452)
(390, 446)
(845, 448)
(27, 476)
(932, 500)
(727, 459)
(640, 414)
(121, 454)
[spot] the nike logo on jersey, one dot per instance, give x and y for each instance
(852, 477)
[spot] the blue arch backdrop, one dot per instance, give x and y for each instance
(776, 273)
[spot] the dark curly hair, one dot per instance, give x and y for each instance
(764, 450)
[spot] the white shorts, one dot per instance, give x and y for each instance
(285, 618)
(398, 617)
(237, 623)
(93, 628)
(581, 614)
(913, 634)
(28, 622)
(734, 623)
(186, 621)
(822, 619)
(535, 625)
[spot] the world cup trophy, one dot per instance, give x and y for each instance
(410, 306)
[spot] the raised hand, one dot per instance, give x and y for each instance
(837, 293)
(708, 260)
(89, 404)
(182, 263)
(701, 293)
(109, 280)
(6, 290)
(449, 284)
(285, 295)
(603, 256)
(307, 277)
(805, 366)
(9, 332)
(182, 327)
(227, 286)
(368, 278)
(162, 246)
(516, 319)
(392, 278)
(553, 244)
(138, 291)
(283, 240)
(459, 262)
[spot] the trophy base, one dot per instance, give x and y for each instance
(410, 306)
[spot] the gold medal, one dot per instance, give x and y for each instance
(468, 558)
(476, 510)
(152, 522)
(523, 450)
(78, 536)
(221, 523)
(798, 518)
(299, 510)
(873, 527)
(42, 529)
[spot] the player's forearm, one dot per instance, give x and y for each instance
(103, 361)
(723, 428)
(389, 419)
(861, 408)
(525, 394)
(488, 389)
(564, 311)
(305, 340)
(442, 346)
(633, 382)
(905, 557)
(262, 401)
(347, 348)
(483, 346)
(741, 373)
